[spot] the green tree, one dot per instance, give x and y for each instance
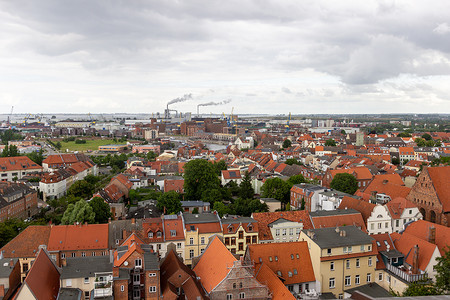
(287, 143)
(101, 210)
(297, 179)
(330, 143)
(92, 179)
(81, 188)
(344, 182)
(151, 155)
(420, 288)
(427, 137)
(292, 161)
(430, 143)
(303, 204)
(212, 196)
(37, 157)
(395, 161)
(169, 203)
(199, 176)
(79, 212)
(404, 134)
(221, 208)
(420, 142)
(13, 151)
(9, 229)
(58, 145)
(276, 188)
(245, 188)
(442, 269)
(256, 205)
(220, 166)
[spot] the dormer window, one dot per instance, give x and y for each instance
(230, 229)
(150, 234)
(159, 234)
(250, 228)
(173, 233)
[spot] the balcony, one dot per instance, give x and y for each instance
(103, 285)
(404, 273)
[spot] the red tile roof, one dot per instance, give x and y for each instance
(361, 173)
(214, 264)
(267, 277)
(266, 218)
(26, 243)
(421, 229)
(381, 185)
(284, 258)
(339, 220)
(405, 243)
(397, 206)
(231, 174)
(17, 163)
(78, 237)
(43, 277)
(365, 208)
(124, 180)
(174, 185)
(440, 177)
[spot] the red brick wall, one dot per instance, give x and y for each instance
(118, 294)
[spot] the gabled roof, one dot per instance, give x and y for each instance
(365, 208)
(214, 264)
(26, 243)
(405, 243)
(267, 277)
(440, 178)
(361, 173)
(231, 174)
(287, 258)
(421, 229)
(266, 218)
(78, 237)
(383, 186)
(43, 277)
(397, 206)
(124, 180)
(339, 217)
(17, 163)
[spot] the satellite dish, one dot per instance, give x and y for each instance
(125, 263)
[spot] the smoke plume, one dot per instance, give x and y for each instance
(215, 103)
(181, 99)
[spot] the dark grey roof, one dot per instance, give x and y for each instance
(69, 294)
(329, 238)
(269, 200)
(123, 274)
(310, 187)
(194, 203)
(392, 253)
(116, 229)
(336, 212)
(81, 267)
(371, 289)
(151, 261)
(332, 192)
(5, 267)
(237, 220)
(200, 218)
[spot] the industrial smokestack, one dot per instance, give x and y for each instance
(211, 104)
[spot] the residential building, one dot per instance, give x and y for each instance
(9, 277)
(231, 175)
(17, 200)
(224, 277)
(272, 204)
(136, 273)
(198, 229)
(342, 257)
(406, 154)
(190, 206)
(281, 226)
(362, 174)
(178, 281)
(431, 194)
(42, 281)
(330, 199)
(58, 161)
(82, 240)
(402, 211)
(17, 167)
(307, 194)
(277, 289)
(90, 274)
(239, 232)
(338, 217)
(290, 261)
(25, 246)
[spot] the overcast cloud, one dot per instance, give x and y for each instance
(271, 56)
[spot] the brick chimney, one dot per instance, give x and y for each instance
(432, 235)
(2, 290)
(415, 265)
(63, 262)
(133, 221)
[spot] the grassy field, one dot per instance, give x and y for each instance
(90, 145)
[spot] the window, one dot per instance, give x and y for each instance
(73, 254)
(93, 253)
(329, 251)
(410, 211)
(279, 273)
(291, 231)
(250, 227)
(150, 234)
(369, 277)
(173, 233)
(152, 289)
(395, 260)
(357, 279)
(233, 241)
(240, 285)
(347, 263)
(63, 255)
(331, 283)
(388, 278)
(241, 295)
(292, 256)
(284, 232)
(369, 248)
(349, 249)
(397, 223)
(295, 272)
(348, 280)
(289, 273)
(229, 296)
(370, 261)
(357, 262)
(362, 248)
(136, 278)
(152, 275)
(241, 235)
(332, 266)
(191, 241)
(159, 234)
(25, 267)
(136, 294)
(380, 276)
(379, 225)
(191, 253)
(254, 241)
(297, 231)
(386, 225)
(83, 254)
(241, 246)
(178, 245)
(86, 280)
(270, 258)
(372, 226)
(138, 263)
(276, 258)
(248, 240)
(202, 240)
(277, 232)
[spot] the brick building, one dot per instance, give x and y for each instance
(431, 194)
(17, 201)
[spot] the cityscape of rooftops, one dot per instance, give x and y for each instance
(224, 150)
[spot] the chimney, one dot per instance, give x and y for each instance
(342, 233)
(111, 256)
(11, 263)
(2, 254)
(63, 262)
(415, 266)
(133, 221)
(2, 290)
(337, 228)
(432, 235)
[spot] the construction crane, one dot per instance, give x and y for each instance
(288, 123)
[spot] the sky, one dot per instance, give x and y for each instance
(262, 56)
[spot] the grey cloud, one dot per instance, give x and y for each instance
(286, 90)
